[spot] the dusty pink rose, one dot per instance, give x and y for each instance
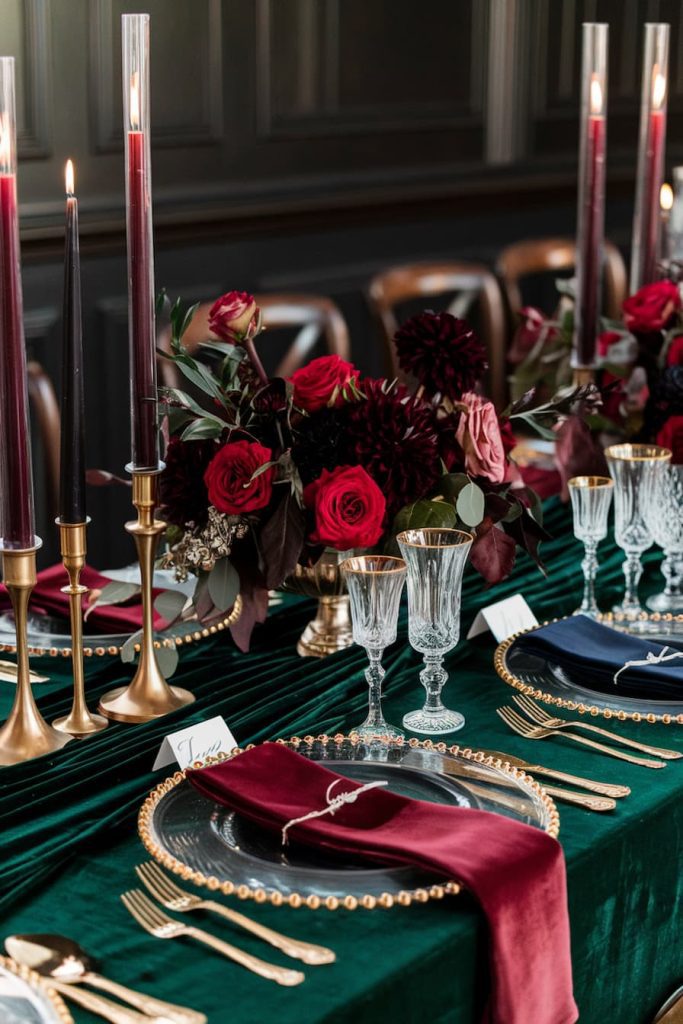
(478, 435)
(234, 316)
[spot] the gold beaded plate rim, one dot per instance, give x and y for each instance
(296, 900)
(40, 986)
(195, 632)
(583, 707)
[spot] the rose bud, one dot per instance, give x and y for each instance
(234, 317)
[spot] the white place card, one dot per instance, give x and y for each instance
(196, 743)
(504, 618)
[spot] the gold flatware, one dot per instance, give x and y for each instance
(540, 716)
(586, 800)
(56, 957)
(157, 923)
(606, 788)
(8, 674)
(105, 1008)
(171, 896)
(537, 732)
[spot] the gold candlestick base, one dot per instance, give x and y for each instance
(80, 721)
(148, 696)
(25, 734)
(583, 375)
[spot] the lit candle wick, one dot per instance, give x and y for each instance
(596, 95)
(658, 89)
(69, 178)
(134, 102)
(5, 144)
(666, 197)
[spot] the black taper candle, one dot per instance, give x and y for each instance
(72, 457)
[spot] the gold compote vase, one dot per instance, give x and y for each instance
(330, 630)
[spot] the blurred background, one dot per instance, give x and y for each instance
(304, 146)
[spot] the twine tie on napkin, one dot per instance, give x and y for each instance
(650, 659)
(333, 804)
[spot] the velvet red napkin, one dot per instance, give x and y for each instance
(515, 871)
(107, 618)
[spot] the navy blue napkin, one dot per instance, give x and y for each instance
(591, 654)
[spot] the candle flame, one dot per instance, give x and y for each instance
(666, 197)
(69, 178)
(135, 101)
(658, 89)
(596, 95)
(5, 144)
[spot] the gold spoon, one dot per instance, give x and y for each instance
(63, 960)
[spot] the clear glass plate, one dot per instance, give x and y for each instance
(210, 844)
(25, 999)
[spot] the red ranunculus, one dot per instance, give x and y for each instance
(674, 353)
(348, 506)
(234, 316)
(671, 436)
(651, 308)
(320, 382)
(228, 478)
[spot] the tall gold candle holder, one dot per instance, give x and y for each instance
(25, 734)
(583, 375)
(148, 696)
(80, 721)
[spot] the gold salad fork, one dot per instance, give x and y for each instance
(540, 716)
(159, 924)
(537, 732)
(173, 897)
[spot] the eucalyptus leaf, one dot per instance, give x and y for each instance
(451, 484)
(128, 651)
(113, 593)
(223, 584)
(169, 604)
(167, 659)
(470, 504)
(424, 513)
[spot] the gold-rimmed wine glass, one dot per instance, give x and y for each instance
(591, 497)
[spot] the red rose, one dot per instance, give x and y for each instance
(320, 382)
(651, 308)
(606, 340)
(674, 353)
(228, 478)
(349, 508)
(671, 436)
(234, 316)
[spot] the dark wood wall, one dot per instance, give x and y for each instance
(303, 144)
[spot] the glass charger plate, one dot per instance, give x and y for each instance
(26, 998)
(49, 636)
(541, 679)
(212, 846)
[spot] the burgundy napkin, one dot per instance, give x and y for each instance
(108, 618)
(515, 871)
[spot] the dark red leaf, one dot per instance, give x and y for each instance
(282, 539)
(493, 554)
(577, 452)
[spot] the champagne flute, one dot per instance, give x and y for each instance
(374, 583)
(665, 519)
(591, 497)
(436, 562)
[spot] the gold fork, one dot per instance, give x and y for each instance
(159, 924)
(537, 732)
(543, 718)
(173, 897)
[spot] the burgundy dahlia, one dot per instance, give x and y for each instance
(442, 352)
(394, 436)
(320, 442)
(182, 491)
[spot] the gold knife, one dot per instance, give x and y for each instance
(605, 788)
(8, 674)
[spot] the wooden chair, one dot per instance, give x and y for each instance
(46, 409)
(316, 317)
(417, 280)
(547, 255)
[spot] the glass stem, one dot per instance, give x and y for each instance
(432, 677)
(590, 568)
(633, 570)
(672, 570)
(374, 674)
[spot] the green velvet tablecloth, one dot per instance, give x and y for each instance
(68, 841)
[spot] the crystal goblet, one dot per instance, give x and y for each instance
(374, 583)
(436, 561)
(591, 497)
(634, 469)
(664, 517)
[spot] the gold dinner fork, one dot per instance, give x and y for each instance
(159, 924)
(173, 897)
(537, 732)
(543, 718)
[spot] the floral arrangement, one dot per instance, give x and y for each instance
(640, 364)
(262, 474)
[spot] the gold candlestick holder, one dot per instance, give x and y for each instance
(148, 696)
(80, 721)
(583, 375)
(25, 734)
